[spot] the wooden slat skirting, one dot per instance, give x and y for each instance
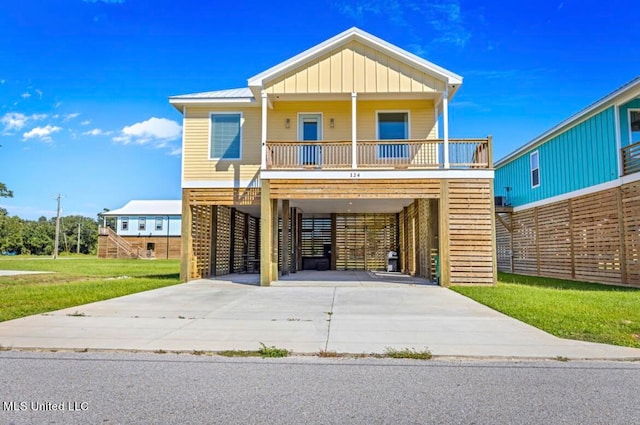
(593, 238)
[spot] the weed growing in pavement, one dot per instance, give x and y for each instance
(272, 351)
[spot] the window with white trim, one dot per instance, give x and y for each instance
(124, 223)
(393, 126)
(534, 159)
(159, 221)
(225, 135)
(142, 223)
(634, 126)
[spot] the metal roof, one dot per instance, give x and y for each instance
(150, 208)
(241, 93)
(573, 119)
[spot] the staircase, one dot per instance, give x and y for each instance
(111, 245)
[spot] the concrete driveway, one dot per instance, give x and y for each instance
(350, 312)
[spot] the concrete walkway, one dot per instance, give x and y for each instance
(354, 312)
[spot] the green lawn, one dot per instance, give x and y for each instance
(568, 309)
(77, 280)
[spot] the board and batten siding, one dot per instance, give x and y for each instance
(581, 156)
(355, 67)
(196, 162)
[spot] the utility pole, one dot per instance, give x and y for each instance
(78, 246)
(57, 242)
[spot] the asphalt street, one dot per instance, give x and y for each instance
(134, 388)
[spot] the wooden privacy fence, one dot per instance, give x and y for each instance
(593, 238)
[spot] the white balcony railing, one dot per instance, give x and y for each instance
(378, 154)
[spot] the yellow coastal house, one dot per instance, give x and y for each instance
(336, 159)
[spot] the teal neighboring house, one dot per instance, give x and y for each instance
(568, 202)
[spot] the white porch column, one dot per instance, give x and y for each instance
(354, 131)
(436, 112)
(265, 105)
(445, 127)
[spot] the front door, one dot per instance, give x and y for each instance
(310, 128)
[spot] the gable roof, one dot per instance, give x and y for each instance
(454, 80)
(602, 103)
(151, 208)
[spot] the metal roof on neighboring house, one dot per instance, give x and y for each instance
(150, 208)
(573, 119)
(218, 94)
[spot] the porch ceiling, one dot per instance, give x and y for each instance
(328, 206)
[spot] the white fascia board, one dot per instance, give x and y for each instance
(212, 100)
(612, 98)
(213, 184)
(356, 175)
(357, 34)
(581, 192)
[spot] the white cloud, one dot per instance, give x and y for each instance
(97, 132)
(71, 116)
(154, 131)
(175, 151)
(85, 122)
(42, 133)
(39, 92)
(25, 95)
(13, 121)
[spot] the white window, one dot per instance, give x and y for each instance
(124, 224)
(159, 221)
(535, 169)
(634, 126)
(142, 223)
(393, 126)
(225, 135)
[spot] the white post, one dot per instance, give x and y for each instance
(445, 127)
(436, 111)
(354, 131)
(264, 131)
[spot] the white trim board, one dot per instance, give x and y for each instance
(580, 192)
(220, 184)
(356, 175)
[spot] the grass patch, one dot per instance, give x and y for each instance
(238, 353)
(407, 353)
(77, 281)
(272, 351)
(568, 309)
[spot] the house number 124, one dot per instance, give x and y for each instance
(354, 175)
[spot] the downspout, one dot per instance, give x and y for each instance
(168, 223)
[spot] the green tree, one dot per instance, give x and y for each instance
(11, 230)
(38, 237)
(4, 192)
(88, 234)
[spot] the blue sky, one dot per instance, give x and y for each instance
(84, 83)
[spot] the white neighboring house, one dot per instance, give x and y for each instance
(144, 229)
